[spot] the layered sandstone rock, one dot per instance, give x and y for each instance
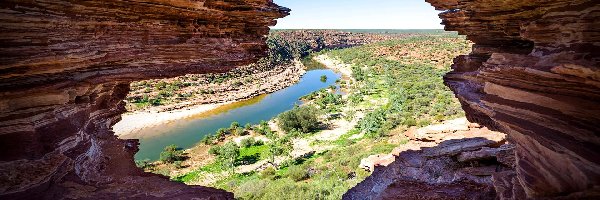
(66, 67)
(534, 73)
(433, 169)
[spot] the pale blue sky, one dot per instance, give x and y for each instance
(359, 14)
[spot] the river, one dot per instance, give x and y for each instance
(186, 133)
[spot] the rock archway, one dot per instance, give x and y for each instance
(65, 67)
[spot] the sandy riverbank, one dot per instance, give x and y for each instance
(334, 64)
(133, 122)
(138, 120)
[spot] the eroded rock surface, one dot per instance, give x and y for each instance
(66, 67)
(534, 73)
(432, 169)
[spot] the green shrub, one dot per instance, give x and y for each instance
(234, 125)
(177, 164)
(263, 128)
(297, 173)
(239, 131)
(155, 102)
(207, 140)
(323, 78)
(221, 133)
(171, 154)
(215, 150)
(424, 122)
(247, 142)
(410, 122)
(278, 148)
(268, 173)
(300, 118)
(259, 143)
(143, 164)
(373, 122)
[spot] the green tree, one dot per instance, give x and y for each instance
(171, 154)
(207, 140)
(300, 118)
(247, 142)
(229, 153)
(221, 133)
(278, 147)
(239, 131)
(234, 125)
(263, 128)
(323, 78)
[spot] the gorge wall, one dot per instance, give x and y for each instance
(534, 74)
(65, 67)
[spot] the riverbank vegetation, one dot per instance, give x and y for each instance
(313, 151)
(276, 71)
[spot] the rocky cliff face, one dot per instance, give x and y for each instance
(534, 73)
(65, 67)
(452, 160)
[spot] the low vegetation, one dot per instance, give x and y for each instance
(394, 85)
(303, 119)
(402, 90)
(283, 50)
(171, 154)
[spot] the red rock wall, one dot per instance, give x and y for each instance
(65, 67)
(534, 74)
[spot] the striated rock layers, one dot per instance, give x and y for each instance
(534, 73)
(65, 67)
(452, 160)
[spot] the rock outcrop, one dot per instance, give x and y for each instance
(66, 67)
(534, 73)
(433, 169)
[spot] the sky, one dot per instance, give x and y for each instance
(359, 14)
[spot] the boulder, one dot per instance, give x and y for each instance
(484, 153)
(372, 161)
(455, 147)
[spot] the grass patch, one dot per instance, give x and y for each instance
(254, 151)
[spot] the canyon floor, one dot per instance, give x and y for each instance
(360, 128)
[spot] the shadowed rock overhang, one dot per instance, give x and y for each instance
(65, 67)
